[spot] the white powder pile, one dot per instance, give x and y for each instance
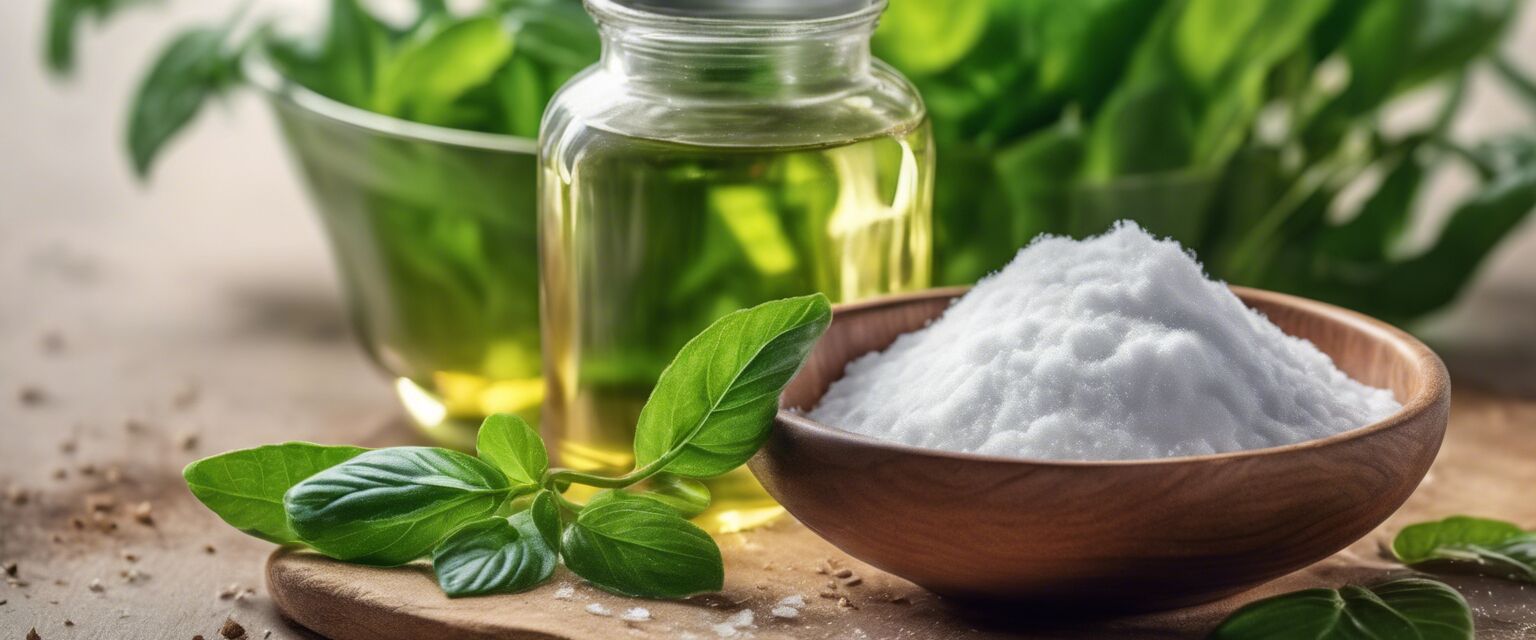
(1113, 348)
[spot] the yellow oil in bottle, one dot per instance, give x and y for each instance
(645, 243)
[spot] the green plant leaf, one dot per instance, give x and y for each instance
(195, 67)
(1405, 608)
(686, 496)
(1452, 33)
(343, 62)
(433, 71)
(640, 548)
(946, 29)
(546, 518)
(64, 20)
(495, 555)
(1492, 546)
(391, 506)
(713, 406)
(245, 488)
(508, 443)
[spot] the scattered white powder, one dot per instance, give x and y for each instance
(599, 610)
(741, 620)
(565, 593)
(1116, 347)
(636, 614)
(796, 601)
(785, 612)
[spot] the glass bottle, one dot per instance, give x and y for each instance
(722, 153)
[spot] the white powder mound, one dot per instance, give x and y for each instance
(1113, 348)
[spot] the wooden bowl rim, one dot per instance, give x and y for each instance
(1434, 389)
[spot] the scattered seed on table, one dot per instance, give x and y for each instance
(96, 585)
(842, 573)
(11, 568)
(144, 514)
(130, 556)
(68, 622)
(32, 635)
(229, 592)
(68, 446)
(88, 469)
(853, 582)
(185, 397)
(208, 549)
(52, 342)
(100, 502)
(32, 396)
(232, 629)
(17, 495)
(188, 441)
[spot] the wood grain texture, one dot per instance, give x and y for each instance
(1143, 534)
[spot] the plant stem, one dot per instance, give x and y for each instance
(605, 482)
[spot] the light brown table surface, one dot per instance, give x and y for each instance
(206, 306)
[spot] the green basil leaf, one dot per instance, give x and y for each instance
(640, 548)
(686, 496)
(390, 506)
(1493, 546)
(508, 443)
(1404, 608)
(546, 518)
(946, 29)
(496, 555)
(435, 70)
(245, 488)
(196, 66)
(713, 406)
(64, 20)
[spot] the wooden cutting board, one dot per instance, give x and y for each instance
(1487, 467)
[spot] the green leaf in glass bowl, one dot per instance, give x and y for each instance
(508, 443)
(431, 72)
(637, 547)
(1406, 608)
(194, 67)
(390, 506)
(495, 555)
(1491, 546)
(713, 406)
(245, 488)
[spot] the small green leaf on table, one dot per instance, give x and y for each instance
(495, 555)
(637, 547)
(1407, 608)
(390, 506)
(714, 405)
(508, 443)
(1490, 546)
(245, 488)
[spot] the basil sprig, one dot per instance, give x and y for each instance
(1403, 608)
(498, 523)
(1492, 547)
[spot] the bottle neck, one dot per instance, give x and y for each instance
(746, 58)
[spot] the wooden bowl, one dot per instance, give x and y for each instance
(1132, 534)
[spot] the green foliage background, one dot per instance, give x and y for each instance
(1236, 127)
